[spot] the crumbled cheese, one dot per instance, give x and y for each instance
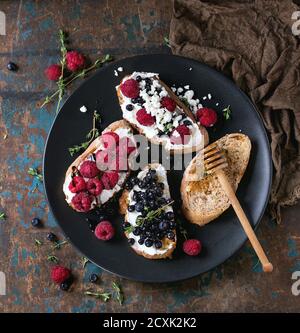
(120, 69)
(187, 87)
(180, 90)
(116, 73)
(83, 108)
(189, 94)
(217, 104)
(209, 96)
(173, 89)
(190, 69)
(204, 98)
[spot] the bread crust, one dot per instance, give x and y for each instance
(191, 189)
(93, 147)
(186, 110)
(123, 205)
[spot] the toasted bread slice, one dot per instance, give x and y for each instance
(123, 129)
(204, 199)
(166, 121)
(168, 245)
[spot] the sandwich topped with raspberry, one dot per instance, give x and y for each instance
(101, 171)
(152, 108)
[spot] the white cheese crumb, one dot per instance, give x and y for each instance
(116, 73)
(120, 69)
(204, 98)
(187, 87)
(83, 108)
(217, 104)
(179, 90)
(173, 89)
(240, 130)
(209, 96)
(190, 69)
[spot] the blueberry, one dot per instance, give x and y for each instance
(159, 90)
(136, 196)
(131, 208)
(153, 227)
(11, 66)
(144, 213)
(164, 225)
(172, 225)
(134, 180)
(148, 80)
(149, 242)
(158, 244)
(187, 122)
(162, 201)
(161, 185)
(36, 222)
(139, 207)
(159, 192)
(152, 204)
(65, 286)
(102, 218)
(142, 184)
(129, 107)
(51, 237)
(137, 231)
(93, 278)
(131, 241)
(159, 235)
(150, 195)
(171, 235)
(170, 215)
(128, 186)
(140, 100)
(141, 241)
(134, 100)
(138, 78)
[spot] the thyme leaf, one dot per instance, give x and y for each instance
(118, 292)
(227, 113)
(35, 173)
(104, 296)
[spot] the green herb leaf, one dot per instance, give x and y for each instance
(167, 41)
(227, 113)
(2, 216)
(35, 173)
(84, 262)
(38, 242)
(104, 296)
(58, 245)
(118, 293)
(182, 231)
(185, 102)
(53, 259)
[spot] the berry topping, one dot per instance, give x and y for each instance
(94, 186)
(129, 107)
(11, 66)
(109, 179)
(60, 274)
(168, 103)
(53, 72)
(104, 231)
(130, 88)
(51, 237)
(82, 201)
(88, 169)
(110, 140)
(192, 247)
(77, 184)
(180, 135)
(35, 222)
(75, 61)
(145, 118)
(93, 278)
(207, 117)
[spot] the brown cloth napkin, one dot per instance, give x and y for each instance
(252, 42)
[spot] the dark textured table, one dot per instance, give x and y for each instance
(120, 28)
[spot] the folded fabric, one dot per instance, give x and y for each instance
(252, 42)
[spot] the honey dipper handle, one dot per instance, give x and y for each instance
(267, 266)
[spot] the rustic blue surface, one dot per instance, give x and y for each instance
(98, 27)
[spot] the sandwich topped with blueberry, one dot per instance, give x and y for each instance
(149, 221)
(152, 108)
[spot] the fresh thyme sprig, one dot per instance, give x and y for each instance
(104, 296)
(60, 82)
(227, 112)
(92, 134)
(58, 245)
(84, 261)
(68, 80)
(182, 231)
(38, 242)
(167, 41)
(2, 216)
(35, 173)
(149, 217)
(53, 259)
(118, 293)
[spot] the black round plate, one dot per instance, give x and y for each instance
(220, 239)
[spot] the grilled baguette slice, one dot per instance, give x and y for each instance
(204, 200)
(92, 148)
(124, 201)
(199, 136)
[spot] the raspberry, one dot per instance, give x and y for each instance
(60, 274)
(104, 231)
(82, 201)
(180, 135)
(109, 179)
(75, 61)
(192, 247)
(130, 88)
(77, 184)
(110, 140)
(145, 118)
(94, 186)
(168, 103)
(53, 72)
(88, 169)
(207, 117)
